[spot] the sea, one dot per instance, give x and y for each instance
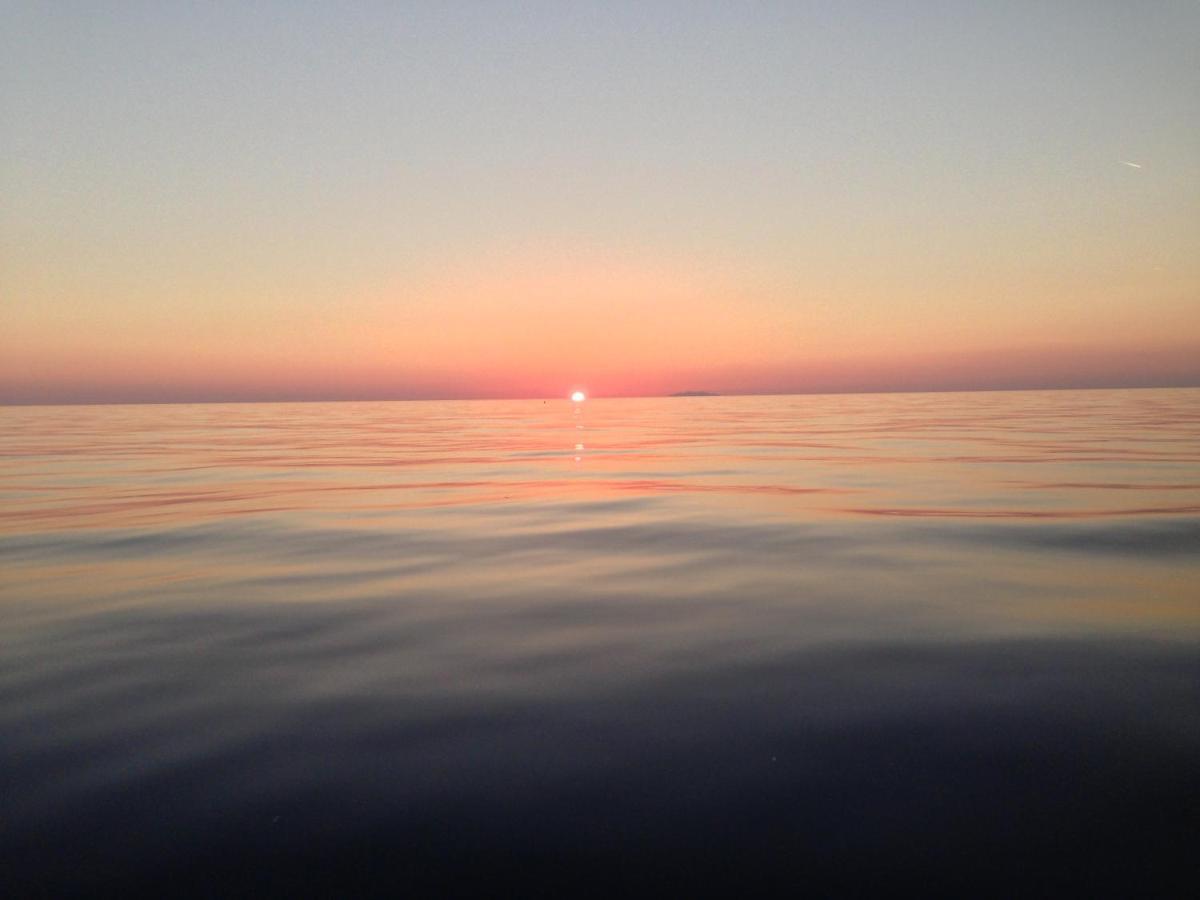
(840, 645)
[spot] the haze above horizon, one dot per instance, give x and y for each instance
(403, 202)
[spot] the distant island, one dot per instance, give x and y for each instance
(696, 394)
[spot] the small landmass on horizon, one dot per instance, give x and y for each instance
(695, 394)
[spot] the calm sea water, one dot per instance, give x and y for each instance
(942, 641)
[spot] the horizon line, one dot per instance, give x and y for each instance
(566, 397)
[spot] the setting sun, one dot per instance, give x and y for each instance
(578, 396)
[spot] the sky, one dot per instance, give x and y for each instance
(229, 201)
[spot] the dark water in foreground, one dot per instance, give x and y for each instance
(937, 642)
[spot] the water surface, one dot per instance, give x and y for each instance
(938, 641)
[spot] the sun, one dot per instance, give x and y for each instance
(578, 396)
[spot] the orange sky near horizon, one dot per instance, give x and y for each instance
(535, 327)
